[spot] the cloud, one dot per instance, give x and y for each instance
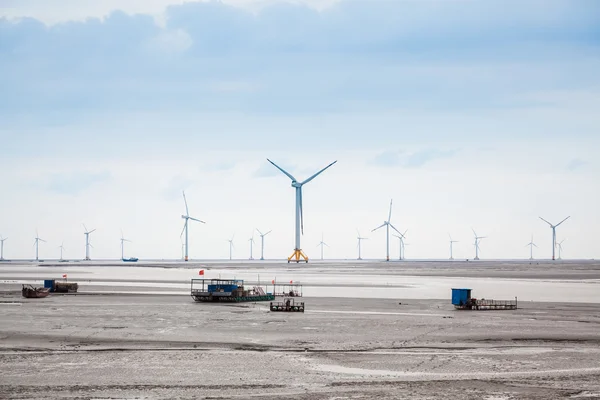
(576, 164)
(74, 183)
(173, 41)
(409, 160)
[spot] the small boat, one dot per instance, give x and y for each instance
(31, 292)
(130, 259)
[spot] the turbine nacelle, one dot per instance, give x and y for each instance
(296, 184)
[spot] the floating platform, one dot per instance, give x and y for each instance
(462, 300)
(226, 290)
(288, 305)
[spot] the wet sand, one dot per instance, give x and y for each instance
(166, 346)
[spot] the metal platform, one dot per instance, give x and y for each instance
(287, 305)
(226, 290)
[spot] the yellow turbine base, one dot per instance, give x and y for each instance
(298, 256)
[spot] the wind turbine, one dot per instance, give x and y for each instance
(359, 240)
(231, 246)
(387, 225)
(531, 244)
(2, 247)
(61, 247)
(185, 226)
(87, 241)
(262, 243)
(554, 232)
(251, 240)
(477, 239)
(322, 243)
(38, 239)
(559, 245)
(123, 240)
(401, 239)
(451, 243)
(298, 254)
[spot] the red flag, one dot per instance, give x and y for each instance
(273, 281)
(65, 276)
(201, 272)
(291, 282)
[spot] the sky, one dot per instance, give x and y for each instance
(468, 114)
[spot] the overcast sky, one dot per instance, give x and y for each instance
(469, 114)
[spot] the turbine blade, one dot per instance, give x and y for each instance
(318, 173)
(380, 226)
(282, 170)
(545, 221)
(197, 220)
(534, 245)
(475, 233)
(186, 206)
(268, 233)
(390, 215)
(394, 228)
(259, 232)
(91, 231)
(563, 220)
(183, 230)
(326, 244)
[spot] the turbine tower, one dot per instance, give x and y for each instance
(387, 225)
(401, 243)
(2, 247)
(262, 243)
(251, 240)
(87, 241)
(123, 240)
(451, 243)
(554, 232)
(322, 243)
(531, 245)
(359, 240)
(61, 247)
(231, 246)
(185, 226)
(298, 254)
(477, 239)
(38, 239)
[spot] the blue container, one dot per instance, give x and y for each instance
(49, 284)
(460, 297)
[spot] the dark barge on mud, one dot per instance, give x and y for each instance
(462, 300)
(226, 290)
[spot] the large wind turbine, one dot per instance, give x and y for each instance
(531, 244)
(185, 226)
(262, 243)
(387, 225)
(123, 240)
(231, 246)
(477, 239)
(401, 244)
(2, 247)
(298, 254)
(322, 243)
(559, 245)
(451, 243)
(38, 239)
(359, 240)
(554, 232)
(87, 241)
(61, 247)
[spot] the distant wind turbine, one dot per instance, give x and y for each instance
(559, 245)
(387, 225)
(451, 243)
(87, 241)
(38, 239)
(231, 246)
(298, 254)
(401, 244)
(531, 245)
(322, 243)
(123, 240)
(251, 240)
(185, 226)
(61, 247)
(477, 240)
(262, 243)
(2, 247)
(360, 239)
(553, 227)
